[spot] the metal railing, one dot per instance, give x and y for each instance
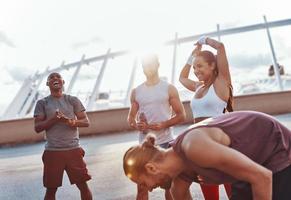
(25, 99)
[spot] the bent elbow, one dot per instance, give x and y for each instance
(38, 130)
(263, 178)
(269, 176)
(220, 46)
(182, 117)
(87, 124)
(181, 79)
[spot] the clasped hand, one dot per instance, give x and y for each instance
(143, 126)
(64, 119)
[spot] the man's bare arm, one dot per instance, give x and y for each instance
(81, 121)
(132, 110)
(209, 152)
(41, 123)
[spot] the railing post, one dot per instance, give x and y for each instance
(31, 98)
(131, 82)
(174, 59)
(75, 75)
(95, 91)
(218, 32)
(275, 64)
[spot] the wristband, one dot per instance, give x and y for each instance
(202, 40)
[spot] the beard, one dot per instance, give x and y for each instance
(166, 181)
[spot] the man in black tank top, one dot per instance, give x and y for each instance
(249, 149)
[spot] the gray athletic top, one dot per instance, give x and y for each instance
(60, 136)
(258, 136)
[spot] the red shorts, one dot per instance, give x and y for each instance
(55, 162)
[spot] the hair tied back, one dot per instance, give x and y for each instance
(149, 141)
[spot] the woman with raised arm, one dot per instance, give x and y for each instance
(213, 96)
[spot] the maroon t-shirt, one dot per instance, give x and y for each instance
(258, 136)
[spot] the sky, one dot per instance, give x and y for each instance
(36, 34)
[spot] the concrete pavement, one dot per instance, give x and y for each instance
(21, 170)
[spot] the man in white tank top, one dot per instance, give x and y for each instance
(158, 107)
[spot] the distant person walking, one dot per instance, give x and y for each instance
(213, 95)
(60, 115)
(157, 107)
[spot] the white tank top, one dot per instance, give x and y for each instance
(153, 101)
(209, 105)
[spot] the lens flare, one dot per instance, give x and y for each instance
(130, 162)
(129, 175)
